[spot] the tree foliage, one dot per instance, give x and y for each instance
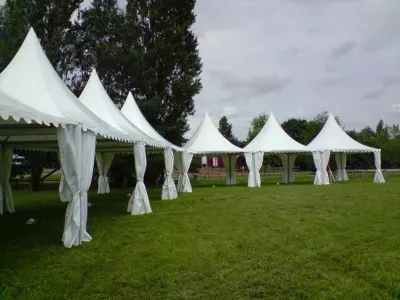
(255, 126)
(226, 130)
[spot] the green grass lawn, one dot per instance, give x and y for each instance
(276, 242)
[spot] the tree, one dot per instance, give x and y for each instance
(99, 35)
(226, 130)
(322, 117)
(255, 126)
(295, 129)
(169, 63)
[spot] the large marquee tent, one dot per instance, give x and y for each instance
(30, 82)
(132, 112)
(332, 138)
(95, 97)
(272, 139)
(208, 140)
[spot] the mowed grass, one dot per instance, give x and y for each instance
(226, 242)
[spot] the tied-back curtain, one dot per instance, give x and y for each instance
(288, 161)
(77, 150)
(229, 161)
(341, 174)
(254, 163)
(104, 161)
(321, 160)
(63, 189)
(139, 202)
(6, 197)
(169, 189)
(179, 167)
(378, 178)
(185, 182)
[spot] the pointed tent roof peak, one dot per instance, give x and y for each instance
(273, 139)
(31, 79)
(208, 140)
(95, 98)
(332, 137)
(131, 111)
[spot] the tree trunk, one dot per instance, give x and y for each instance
(36, 174)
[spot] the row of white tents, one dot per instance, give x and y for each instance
(40, 113)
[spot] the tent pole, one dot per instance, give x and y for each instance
(230, 169)
(288, 167)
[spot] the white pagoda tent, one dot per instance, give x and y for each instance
(208, 140)
(95, 97)
(332, 138)
(132, 112)
(272, 139)
(30, 85)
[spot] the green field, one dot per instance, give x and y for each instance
(276, 242)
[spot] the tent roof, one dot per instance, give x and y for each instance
(333, 138)
(31, 80)
(132, 112)
(95, 97)
(273, 139)
(208, 140)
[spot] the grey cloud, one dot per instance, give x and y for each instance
(388, 81)
(330, 81)
(253, 86)
(343, 49)
(374, 94)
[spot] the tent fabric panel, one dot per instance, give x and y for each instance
(104, 162)
(139, 202)
(77, 151)
(169, 191)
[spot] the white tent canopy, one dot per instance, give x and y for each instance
(30, 85)
(132, 112)
(332, 138)
(95, 97)
(31, 79)
(272, 139)
(208, 140)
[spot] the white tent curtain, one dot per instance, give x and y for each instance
(341, 174)
(184, 185)
(230, 167)
(321, 160)
(77, 151)
(104, 161)
(169, 189)
(288, 161)
(6, 197)
(379, 178)
(179, 167)
(254, 162)
(139, 202)
(63, 189)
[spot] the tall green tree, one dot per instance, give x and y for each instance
(255, 126)
(51, 21)
(99, 36)
(169, 64)
(226, 130)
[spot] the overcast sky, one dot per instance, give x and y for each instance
(298, 58)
